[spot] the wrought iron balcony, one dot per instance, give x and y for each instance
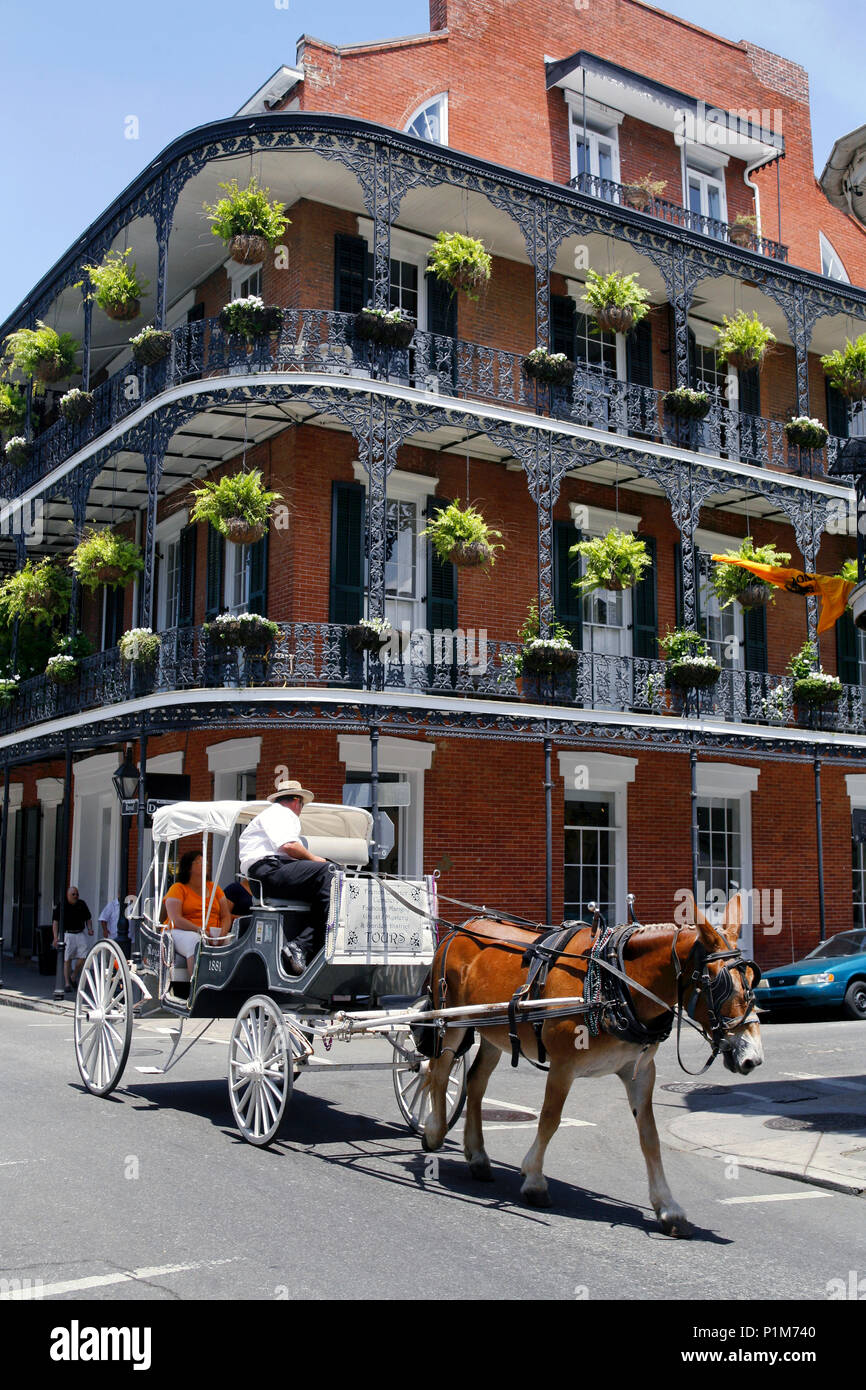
(322, 341)
(676, 215)
(462, 666)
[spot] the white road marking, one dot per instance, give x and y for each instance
(532, 1124)
(99, 1281)
(773, 1197)
(510, 1105)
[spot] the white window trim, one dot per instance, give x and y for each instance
(410, 758)
(405, 246)
(735, 783)
(726, 779)
(606, 774)
(443, 117)
(16, 795)
(49, 790)
(600, 120)
(234, 755)
(406, 487)
(855, 784)
(601, 519)
(167, 533)
(236, 273)
(716, 176)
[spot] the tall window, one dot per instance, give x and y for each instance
(430, 121)
(590, 857)
(237, 578)
(594, 151)
(859, 881)
(720, 860)
(404, 290)
(722, 627)
(596, 349)
(169, 578)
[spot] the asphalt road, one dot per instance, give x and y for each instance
(151, 1194)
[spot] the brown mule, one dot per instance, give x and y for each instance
(484, 969)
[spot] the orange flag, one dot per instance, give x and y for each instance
(832, 589)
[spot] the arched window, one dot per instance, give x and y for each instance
(430, 121)
(831, 264)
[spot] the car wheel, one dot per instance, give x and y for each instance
(855, 999)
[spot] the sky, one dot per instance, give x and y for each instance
(71, 75)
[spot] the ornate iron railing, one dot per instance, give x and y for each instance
(626, 195)
(319, 340)
(459, 665)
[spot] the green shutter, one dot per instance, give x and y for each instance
(257, 558)
(693, 355)
(750, 391)
(567, 601)
(441, 307)
(678, 584)
(645, 624)
(186, 606)
(347, 553)
(441, 581)
(755, 639)
(215, 580)
(847, 663)
(563, 322)
(639, 354)
(837, 412)
(350, 263)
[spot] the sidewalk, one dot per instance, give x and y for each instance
(812, 1129)
(24, 988)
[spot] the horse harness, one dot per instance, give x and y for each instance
(608, 1003)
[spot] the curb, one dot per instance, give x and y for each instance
(42, 1006)
(778, 1169)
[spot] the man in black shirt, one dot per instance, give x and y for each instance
(76, 944)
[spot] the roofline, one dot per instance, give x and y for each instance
(377, 45)
(246, 126)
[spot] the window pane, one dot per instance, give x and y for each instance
(694, 195)
(714, 202)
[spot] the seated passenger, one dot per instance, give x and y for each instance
(240, 900)
(183, 903)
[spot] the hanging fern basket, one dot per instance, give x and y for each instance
(124, 312)
(613, 318)
(241, 532)
(471, 554)
(249, 249)
(51, 370)
(755, 595)
(744, 361)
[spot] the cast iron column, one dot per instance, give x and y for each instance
(548, 835)
(693, 759)
(63, 865)
(142, 810)
(4, 841)
(820, 847)
(374, 792)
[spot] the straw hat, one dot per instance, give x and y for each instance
(291, 789)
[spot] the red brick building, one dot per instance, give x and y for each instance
(528, 130)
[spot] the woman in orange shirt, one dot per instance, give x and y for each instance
(183, 903)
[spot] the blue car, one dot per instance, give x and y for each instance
(834, 974)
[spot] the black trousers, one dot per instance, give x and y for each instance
(305, 880)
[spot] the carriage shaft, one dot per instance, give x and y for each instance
(528, 1011)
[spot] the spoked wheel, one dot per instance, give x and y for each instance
(103, 1018)
(260, 1070)
(409, 1070)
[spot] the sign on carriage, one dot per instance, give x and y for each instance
(381, 922)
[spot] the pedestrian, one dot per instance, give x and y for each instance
(109, 918)
(270, 851)
(78, 927)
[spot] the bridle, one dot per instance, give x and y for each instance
(716, 990)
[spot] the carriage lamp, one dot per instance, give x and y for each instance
(126, 777)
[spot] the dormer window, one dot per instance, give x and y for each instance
(430, 121)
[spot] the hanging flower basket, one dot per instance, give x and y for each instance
(62, 670)
(686, 404)
(104, 557)
(550, 368)
(241, 532)
(251, 318)
(124, 312)
(76, 405)
(224, 633)
(615, 319)
(41, 352)
(49, 371)
(743, 341)
(545, 656)
(692, 673)
(806, 433)
(461, 262)
(384, 328)
(151, 346)
(248, 249)
(471, 554)
(614, 561)
(755, 595)
(742, 234)
(257, 634)
(369, 635)
(139, 647)
(17, 450)
(819, 688)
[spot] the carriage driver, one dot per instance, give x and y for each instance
(270, 850)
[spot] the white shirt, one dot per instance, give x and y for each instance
(110, 916)
(275, 827)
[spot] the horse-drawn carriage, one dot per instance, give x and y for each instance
(592, 999)
(379, 945)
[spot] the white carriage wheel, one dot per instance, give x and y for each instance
(260, 1070)
(103, 1017)
(409, 1070)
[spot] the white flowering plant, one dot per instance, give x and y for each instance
(774, 705)
(61, 668)
(9, 688)
(140, 646)
(250, 317)
(806, 432)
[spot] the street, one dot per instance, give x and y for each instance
(150, 1194)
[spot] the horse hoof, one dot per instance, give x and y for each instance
(481, 1170)
(427, 1146)
(674, 1223)
(536, 1198)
